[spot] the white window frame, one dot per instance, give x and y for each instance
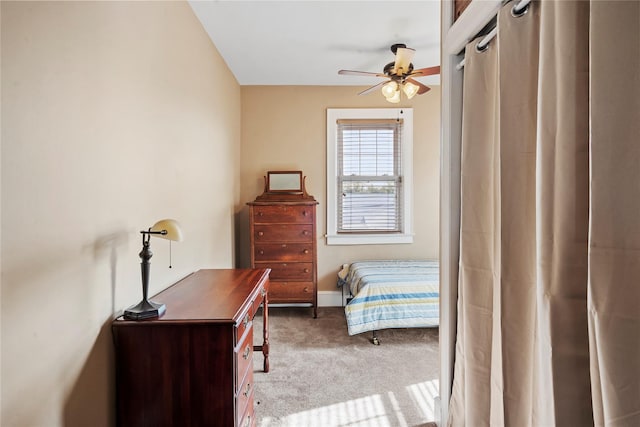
(332, 236)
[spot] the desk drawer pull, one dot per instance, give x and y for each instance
(245, 355)
(246, 392)
(245, 321)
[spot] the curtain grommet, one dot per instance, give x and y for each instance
(519, 13)
(481, 48)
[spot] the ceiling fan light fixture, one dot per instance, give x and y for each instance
(395, 98)
(400, 75)
(410, 89)
(389, 89)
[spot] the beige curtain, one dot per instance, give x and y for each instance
(549, 285)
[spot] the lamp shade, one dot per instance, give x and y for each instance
(389, 89)
(395, 98)
(172, 228)
(410, 89)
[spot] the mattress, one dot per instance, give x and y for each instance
(391, 294)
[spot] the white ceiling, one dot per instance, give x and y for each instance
(307, 42)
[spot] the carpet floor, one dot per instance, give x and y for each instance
(321, 376)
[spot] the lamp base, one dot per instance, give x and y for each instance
(144, 310)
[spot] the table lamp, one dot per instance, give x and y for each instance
(165, 229)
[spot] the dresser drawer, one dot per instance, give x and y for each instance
(244, 397)
(292, 291)
(283, 213)
(283, 252)
(283, 233)
(244, 357)
(287, 271)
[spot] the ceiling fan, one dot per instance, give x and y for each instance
(400, 75)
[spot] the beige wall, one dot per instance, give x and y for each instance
(114, 115)
(284, 128)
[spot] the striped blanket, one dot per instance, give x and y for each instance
(391, 294)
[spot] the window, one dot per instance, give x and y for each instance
(369, 176)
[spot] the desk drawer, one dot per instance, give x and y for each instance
(242, 326)
(283, 233)
(244, 396)
(244, 357)
(249, 418)
(259, 299)
(247, 318)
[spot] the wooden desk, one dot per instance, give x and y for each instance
(194, 365)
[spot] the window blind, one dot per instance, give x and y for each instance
(370, 192)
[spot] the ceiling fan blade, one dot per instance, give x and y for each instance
(422, 88)
(359, 73)
(371, 89)
(404, 55)
(429, 71)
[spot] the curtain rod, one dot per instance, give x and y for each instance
(518, 10)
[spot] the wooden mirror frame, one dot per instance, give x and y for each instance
(290, 182)
(284, 186)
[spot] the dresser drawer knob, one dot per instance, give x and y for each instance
(306, 251)
(263, 292)
(305, 232)
(260, 213)
(261, 252)
(245, 355)
(245, 321)
(305, 290)
(284, 245)
(260, 233)
(246, 392)
(304, 213)
(306, 270)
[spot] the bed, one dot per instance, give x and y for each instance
(390, 294)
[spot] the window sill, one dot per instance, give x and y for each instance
(368, 239)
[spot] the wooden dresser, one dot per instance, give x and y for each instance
(283, 239)
(193, 366)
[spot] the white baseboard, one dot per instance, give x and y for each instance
(437, 411)
(329, 299)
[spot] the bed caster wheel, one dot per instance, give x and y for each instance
(375, 341)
